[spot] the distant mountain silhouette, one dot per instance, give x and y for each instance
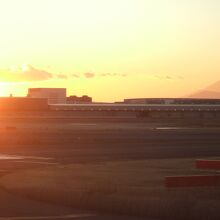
(211, 92)
(214, 87)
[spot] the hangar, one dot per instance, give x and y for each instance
(53, 95)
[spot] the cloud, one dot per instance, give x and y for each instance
(62, 76)
(25, 73)
(167, 77)
(180, 77)
(92, 75)
(89, 75)
(28, 73)
(162, 77)
(113, 74)
(75, 75)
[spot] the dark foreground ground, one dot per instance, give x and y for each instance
(56, 152)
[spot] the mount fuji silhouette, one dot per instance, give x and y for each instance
(210, 92)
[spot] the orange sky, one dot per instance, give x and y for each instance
(109, 50)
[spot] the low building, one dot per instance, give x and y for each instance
(79, 100)
(23, 104)
(53, 95)
(174, 101)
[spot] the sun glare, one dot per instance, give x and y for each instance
(24, 67)
(3, 88)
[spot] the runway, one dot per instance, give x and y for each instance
(42, 143)
(13, 207)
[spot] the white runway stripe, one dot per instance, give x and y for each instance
(17, 157)
(35, 162)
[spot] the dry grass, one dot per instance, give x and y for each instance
(131, 187)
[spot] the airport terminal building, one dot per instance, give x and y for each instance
(173, 101)
(54, 101)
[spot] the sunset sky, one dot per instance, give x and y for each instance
(109, 49)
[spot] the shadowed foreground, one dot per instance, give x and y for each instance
(114, 166)
(131, 187)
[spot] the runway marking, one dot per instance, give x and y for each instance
(36, 162)
(83, 124)
(49, 217)
(37, 158)
(17, 157)
(10, 157)
(173, 128)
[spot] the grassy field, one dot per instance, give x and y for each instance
(128, 187)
